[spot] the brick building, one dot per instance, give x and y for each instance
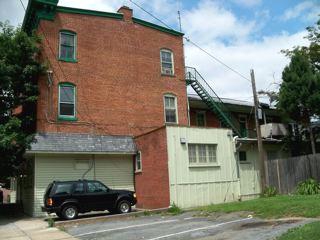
(113, 106)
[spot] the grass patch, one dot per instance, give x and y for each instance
(273, 207)
(309, 231)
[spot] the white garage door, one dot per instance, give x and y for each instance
(114, 171)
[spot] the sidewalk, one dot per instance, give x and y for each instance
(30, 229)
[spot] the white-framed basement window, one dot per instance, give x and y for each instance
(138, 162)
(202, 154)
(167, 63)
(170, 109)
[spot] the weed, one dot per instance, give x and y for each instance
(174, 209)
(308, 187)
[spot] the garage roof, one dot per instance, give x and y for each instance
(82, 143)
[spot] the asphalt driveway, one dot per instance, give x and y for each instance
(190, 225)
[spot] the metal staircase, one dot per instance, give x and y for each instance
(212, 100)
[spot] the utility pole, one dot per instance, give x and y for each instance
(259, 138)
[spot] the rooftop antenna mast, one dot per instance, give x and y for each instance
(179, 18)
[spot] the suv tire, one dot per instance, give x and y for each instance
(124, 207)
(70, 212)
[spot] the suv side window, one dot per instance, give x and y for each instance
(63, 188)
(94, 187)
(78, 188)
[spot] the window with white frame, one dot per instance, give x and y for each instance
(167, 65)
(202, 154)
(201, 118)
(170, 109)
(67, 101)
(67, 45)
(138, 162)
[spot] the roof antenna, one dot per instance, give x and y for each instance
(179, 18)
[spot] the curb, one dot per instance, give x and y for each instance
(138, 212)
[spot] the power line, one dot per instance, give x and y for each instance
(23, 5)
(193, 43)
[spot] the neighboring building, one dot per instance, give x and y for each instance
(114, 107)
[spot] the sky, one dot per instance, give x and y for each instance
(243, 34)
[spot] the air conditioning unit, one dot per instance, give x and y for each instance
(273, 129)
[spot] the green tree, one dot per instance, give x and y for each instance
(299, 94)
(19, 70)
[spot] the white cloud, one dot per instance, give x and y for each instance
(243, 54)
(308, 10)
(210, 21)
(247, 3)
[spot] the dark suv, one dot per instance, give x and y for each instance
(68, 198)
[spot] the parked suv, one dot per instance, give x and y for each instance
(68, 198)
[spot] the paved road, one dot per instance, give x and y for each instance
(185, 226)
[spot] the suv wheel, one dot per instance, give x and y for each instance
(124, 207)
(70, 212)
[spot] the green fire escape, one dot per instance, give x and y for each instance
(208, 95)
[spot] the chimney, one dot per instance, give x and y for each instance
(127, 13)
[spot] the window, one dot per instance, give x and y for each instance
(67, 99)
(202, 154)
(94, 187)
(170, 107)
(167, 66)
(201, 119)
(242, 156)
(67, 46)
(243, 126)
(78, 188)
(138, 162)
(63, 188)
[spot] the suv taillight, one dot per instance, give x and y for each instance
(49, 202)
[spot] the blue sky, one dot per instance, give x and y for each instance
(245, 34)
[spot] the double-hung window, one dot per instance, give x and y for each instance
(167, 65)
(170, 109)
(67, 46)
(202, 154)
(67, 101)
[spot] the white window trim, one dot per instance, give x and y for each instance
(74, 42)
(205, 119)
(172, 61)
(207, 164)
(74, 103)
(176, 108)
(136, 165)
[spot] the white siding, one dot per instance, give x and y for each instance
(250, 170)
(198, 186)
(114, 171)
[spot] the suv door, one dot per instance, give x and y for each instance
(99, 196)
(79, 194)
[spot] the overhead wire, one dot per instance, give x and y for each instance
(193, 43)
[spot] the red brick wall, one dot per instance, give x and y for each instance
(211, 119)
(152, 184)
(118, 76)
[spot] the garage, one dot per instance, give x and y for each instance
(112, 165)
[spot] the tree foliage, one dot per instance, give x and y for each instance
(19, 70)
(299, 95)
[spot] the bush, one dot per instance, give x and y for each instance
(308, 187)
(174, 209)
(270, 192)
